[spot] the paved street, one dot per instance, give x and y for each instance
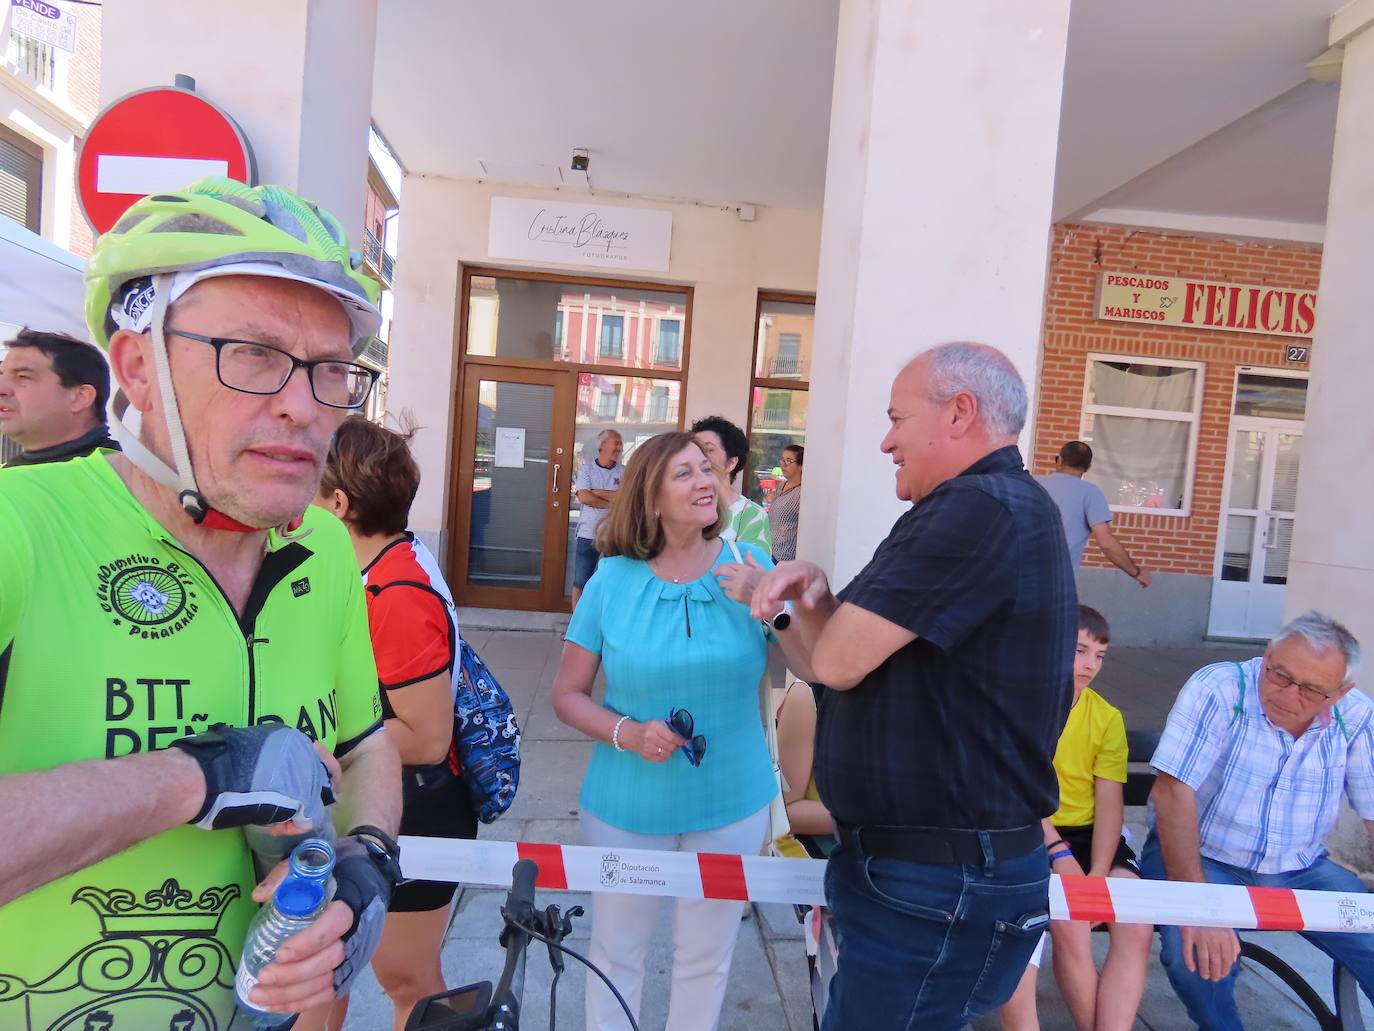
(768, 987)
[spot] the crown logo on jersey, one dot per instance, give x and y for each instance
(168, 910)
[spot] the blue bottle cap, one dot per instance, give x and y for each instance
(298, 897)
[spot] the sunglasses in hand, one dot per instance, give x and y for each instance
(680, 723)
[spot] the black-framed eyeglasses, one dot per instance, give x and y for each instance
(680, 722)
(1309, 692)
(251, 367)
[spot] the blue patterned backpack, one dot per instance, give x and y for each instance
(486, 739)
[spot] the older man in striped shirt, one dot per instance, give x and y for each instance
(1252, 767)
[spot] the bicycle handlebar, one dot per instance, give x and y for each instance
(519, 910)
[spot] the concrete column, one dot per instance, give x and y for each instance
(296, 76)
(1331, 566)
(1332, 560)
(943, 138)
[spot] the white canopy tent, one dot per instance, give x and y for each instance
(40, 284)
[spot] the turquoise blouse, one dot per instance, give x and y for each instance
(664, 646)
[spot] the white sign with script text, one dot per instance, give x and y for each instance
(593, 235)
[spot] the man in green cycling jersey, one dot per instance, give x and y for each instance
(183, 637)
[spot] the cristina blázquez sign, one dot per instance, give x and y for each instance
(1194, 303)
(593, 235)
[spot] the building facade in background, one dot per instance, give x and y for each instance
(49, 92)
(1194, 413)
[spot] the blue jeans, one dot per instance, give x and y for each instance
(585, 565)
(1212, 1004)
(930, 946)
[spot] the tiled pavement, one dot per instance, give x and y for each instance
(768, 988)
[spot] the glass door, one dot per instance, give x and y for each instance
(514, 477)
(1258, 512)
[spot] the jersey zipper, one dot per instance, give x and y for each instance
(247, 632)
(277, 565)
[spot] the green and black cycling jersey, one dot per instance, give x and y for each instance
(115, 640)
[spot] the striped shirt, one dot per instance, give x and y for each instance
(783, 514)
(1265, 799)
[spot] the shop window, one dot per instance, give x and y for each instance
(612, 337)
(21, 178)
(1141, 418)
(539, 317)
(668, 346)
(782, 369)
(1271, 397)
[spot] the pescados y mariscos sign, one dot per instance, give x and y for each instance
(591, 235)
(1198, 304)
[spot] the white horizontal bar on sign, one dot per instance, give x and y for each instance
(127, 173)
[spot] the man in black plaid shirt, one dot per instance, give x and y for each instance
(949, 665)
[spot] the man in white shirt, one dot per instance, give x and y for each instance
(1085, 510)
(596, 483)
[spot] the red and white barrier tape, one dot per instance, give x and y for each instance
(699, 875)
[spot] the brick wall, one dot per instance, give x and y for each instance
(1168, 544)
(83, 95)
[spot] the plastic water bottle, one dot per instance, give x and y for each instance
(294, 905)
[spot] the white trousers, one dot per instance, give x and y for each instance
(704, 931)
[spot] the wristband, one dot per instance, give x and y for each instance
(1061, 854)
(615, 734)
(1056, 841)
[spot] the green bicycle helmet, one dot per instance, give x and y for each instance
(216, 223)
(167, 242)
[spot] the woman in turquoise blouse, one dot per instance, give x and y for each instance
(656, 616)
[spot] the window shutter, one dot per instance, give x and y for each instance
(21, 175)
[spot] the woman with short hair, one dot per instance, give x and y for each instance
(728, 450)
(370, 480)
(656, 615)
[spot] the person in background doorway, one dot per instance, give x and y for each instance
(783, 513)
(53, 392)
(1085, 510)
(596, 484)
(1085, 837)
(728, 448)
(370, 480)
(672, 643)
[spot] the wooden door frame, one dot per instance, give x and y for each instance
(473, 367)
(549, 597)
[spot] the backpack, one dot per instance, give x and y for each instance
(485, 750)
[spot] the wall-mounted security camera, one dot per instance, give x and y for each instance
(580, 160)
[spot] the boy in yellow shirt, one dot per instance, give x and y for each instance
(1084, 837)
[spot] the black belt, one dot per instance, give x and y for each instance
(939, 844)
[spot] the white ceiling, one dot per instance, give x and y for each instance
(1173, 106)
(715, 100)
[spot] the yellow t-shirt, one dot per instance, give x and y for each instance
(1093, 744)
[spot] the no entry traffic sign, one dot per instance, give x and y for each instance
(156, 140)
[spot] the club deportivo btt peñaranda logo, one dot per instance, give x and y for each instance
(152, 598)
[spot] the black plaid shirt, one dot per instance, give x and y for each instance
(958, 729)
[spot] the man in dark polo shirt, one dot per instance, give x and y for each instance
(949, 662)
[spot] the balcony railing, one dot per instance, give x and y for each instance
(376, 256)
(36, 60)
(775, 419)
(786, 367)
(377, 352)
